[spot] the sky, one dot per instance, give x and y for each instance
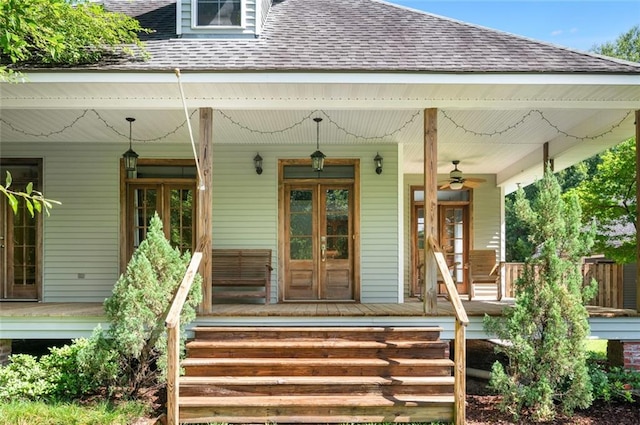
(578, 24)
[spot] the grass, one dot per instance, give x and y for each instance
(598, 347)
(40, 413)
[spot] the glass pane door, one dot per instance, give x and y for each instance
(454, 240)
(318, 243)
(175, 206)
(19, 239)
(335, 244)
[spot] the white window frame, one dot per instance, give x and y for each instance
(194, 18)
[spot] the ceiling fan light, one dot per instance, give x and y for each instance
(456, 185)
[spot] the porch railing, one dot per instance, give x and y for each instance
(172, 323)
(461, 322)
(608, 275)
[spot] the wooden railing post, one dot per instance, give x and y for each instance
(460, 343)
(173, 374)
(172, 323)
(459, 377)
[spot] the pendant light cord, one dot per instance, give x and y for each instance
(201, 185)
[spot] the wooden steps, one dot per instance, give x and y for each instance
(316, 375)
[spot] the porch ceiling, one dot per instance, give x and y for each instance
(493, 125)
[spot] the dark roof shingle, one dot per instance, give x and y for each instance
(353, 35)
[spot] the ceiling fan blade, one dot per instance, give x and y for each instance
(471, 179)
(472, 183)
(445, 185)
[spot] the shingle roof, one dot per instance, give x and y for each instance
(354, 35)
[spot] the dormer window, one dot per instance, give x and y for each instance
(217, 13)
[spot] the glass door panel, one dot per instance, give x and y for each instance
(301, 276)
(335, 261)
(454, 240)
(19, 246)
(175, 205)
(181, 213)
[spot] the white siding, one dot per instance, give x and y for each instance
(81, 235)
(249, 29)
(263, 10)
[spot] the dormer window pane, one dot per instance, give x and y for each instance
(219, 12)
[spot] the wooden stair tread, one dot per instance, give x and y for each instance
(366, 329)
(312, 343)
(316, 401)
(315, 380)
(331, 361)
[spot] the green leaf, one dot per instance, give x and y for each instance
(29, 206)
(13, 202)
(8, 181)
(29, 188)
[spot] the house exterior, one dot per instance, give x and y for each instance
(386, 81)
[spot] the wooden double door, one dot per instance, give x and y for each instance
(319, 242)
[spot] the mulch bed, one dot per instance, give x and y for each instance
(482, 405)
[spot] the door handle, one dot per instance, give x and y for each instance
(323, 249)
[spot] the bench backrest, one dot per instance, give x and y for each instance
(240, 263)
(482, 261)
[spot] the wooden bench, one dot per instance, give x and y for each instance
(242, 273)
(484, 269)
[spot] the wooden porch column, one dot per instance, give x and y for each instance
(430, 290)
(205, 203)
(637, 209)
(545, 158)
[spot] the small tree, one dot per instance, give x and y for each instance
(139, 304)
(547, 327)
(62, 32)
(609, 198)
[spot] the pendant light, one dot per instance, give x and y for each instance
(130, 157)
(317, 158)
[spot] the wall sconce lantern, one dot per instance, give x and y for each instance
(130, 157)
(317, 158)
(257, 162)
(378, 161)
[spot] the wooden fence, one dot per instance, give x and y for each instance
(608, 276)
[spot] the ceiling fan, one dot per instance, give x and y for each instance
(457, 181)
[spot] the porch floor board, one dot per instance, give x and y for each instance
(409, 308)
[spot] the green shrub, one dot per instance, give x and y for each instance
(75, 369)
(66, 373)
(613, 384)
(24, 378)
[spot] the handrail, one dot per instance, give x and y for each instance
(452, 292)
(173, 316)
(172, 322)
(462, 320)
